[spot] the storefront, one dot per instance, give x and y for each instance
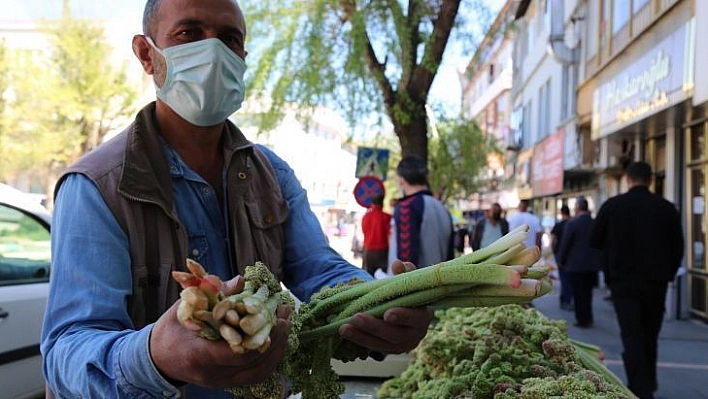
(696, 172)
(642, 110)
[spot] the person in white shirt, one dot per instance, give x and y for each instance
(523, 216)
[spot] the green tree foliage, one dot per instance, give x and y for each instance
(64, 100)
(375, 57)
(4, 96)
(458, 155)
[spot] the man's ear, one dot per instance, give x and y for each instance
(142, 49)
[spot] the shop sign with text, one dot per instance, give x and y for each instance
(547, 169)
(661, 77)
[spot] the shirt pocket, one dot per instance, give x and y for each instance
(198, 248)
(267, 216)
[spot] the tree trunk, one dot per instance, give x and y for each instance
(413, 135)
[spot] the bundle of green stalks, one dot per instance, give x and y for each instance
(501, 273)
(498, 274)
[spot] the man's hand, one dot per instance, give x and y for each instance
(400, 330)
(182, 356)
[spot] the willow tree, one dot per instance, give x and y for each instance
(65, 100)
(375, 57)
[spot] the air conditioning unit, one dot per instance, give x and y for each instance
(514, 140)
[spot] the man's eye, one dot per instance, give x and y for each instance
(187, 34)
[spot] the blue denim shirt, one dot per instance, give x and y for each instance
(87, 333)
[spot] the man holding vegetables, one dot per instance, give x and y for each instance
(642, 237)
(182, 181)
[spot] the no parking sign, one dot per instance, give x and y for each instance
(367, 187)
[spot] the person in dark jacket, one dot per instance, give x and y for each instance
(566, 293)
(580, 262)
(490, 228)
(642, 237)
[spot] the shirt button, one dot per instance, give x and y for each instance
(242, 175)
(268, 219)
(206, 191)
(195, 252)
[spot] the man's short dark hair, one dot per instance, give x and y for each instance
(565, 210)
(581, 203)
(639, 172)
(413, 170)
(149, 13)
(377, 199)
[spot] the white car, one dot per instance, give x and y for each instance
(25, 260)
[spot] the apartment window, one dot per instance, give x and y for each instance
(516, 126)
(544, 110)
(540, 121)
(526, 123)
(620, 15)
(592, 32)
(565, 92)
(638, 5)
(605, 20)
(530, 35)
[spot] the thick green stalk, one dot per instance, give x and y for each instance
(590, 348)
(527, 288)
(430, 277)
(538, 272)
(453, 301)
(325, 305)
(527, 257)
(418, 298)
(594, 364)
(504, 257)
(508, 241)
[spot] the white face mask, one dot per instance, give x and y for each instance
(203, 82)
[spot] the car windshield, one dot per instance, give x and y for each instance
(24, 248)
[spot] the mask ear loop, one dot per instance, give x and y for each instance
(152, 43)
(167, 65)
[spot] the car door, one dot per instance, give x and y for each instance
(24, 284)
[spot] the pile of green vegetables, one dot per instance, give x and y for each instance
(502, 352)
(501, 273)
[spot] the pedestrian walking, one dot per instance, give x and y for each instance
(580, 261)
(566, 292)
(489, 229)
(642, 237)
(422, 231)
(524, 216)
(376, 226)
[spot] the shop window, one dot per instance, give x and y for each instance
(698, 226)
(697, 142)
(698, 294)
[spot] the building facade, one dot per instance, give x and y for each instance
(551, 165)
(599, 84)
(486, 98)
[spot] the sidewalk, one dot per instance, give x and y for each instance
(683, 346)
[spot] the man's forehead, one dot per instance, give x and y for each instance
(223, 10)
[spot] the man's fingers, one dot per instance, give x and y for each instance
(233, 286)
(398, 267)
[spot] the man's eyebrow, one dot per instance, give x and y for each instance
(189, 22)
